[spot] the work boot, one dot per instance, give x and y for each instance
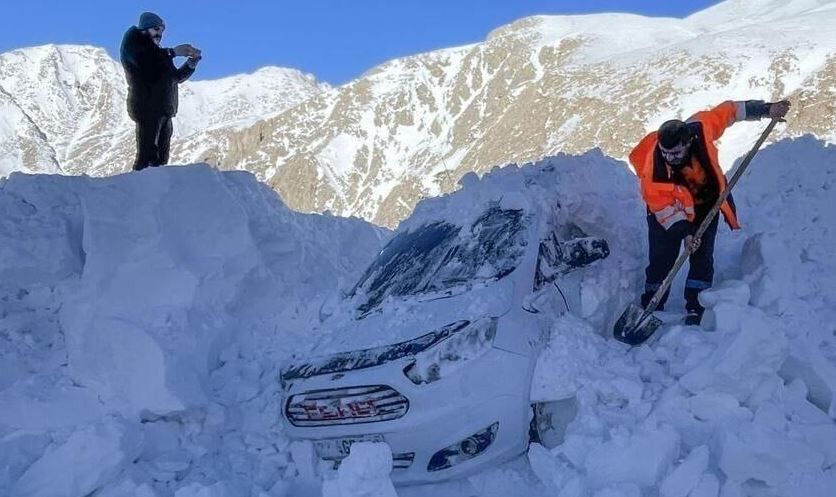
(695, 312)
(693, 307)
(694, 317)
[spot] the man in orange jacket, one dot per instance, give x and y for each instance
(681, 179)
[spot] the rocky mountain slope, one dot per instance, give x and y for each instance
(412, 127)
(63, 108)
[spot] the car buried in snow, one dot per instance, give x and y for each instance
(437, 353)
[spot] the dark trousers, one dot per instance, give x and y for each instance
(153, 138)
(664, 249)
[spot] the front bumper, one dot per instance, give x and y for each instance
(493, 388)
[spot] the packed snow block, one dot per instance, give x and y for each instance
(40, 230)
(90, 457)
(577, 356)
(127, 486)
(619, 490)
(725, 303)
(641, 458)
(708, 486)
(817, 375)
(724, 316)
(217, 489)
(304, 458)
(18, 450)
(730, 291)
(744, 359)
(364, 473)
(811, 423)
(717, 407)
(687, 475)
(552, 470)
(791, 255)
(124, 364)
(765, 263)
(775, 458)
(43, 404)
(161, 437)
(164, 258)
(572, 349)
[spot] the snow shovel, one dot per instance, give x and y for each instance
(636, 324)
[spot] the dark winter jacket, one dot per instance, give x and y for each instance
(151, 74)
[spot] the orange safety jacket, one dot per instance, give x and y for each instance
(670, 201)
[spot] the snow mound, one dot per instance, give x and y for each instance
(168, 298)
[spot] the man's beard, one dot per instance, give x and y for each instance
(157, 39)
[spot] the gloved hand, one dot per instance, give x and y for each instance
(185, 50)
(692, 243)
(777, 110)
(192, 61)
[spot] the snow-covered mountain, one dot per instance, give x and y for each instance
(64, 108)
(411, 127)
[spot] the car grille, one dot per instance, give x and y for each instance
(338, 406)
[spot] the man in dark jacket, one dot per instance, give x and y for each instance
(152, 86)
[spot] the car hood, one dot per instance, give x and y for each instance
(402, 327)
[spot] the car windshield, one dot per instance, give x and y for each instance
(440, 255)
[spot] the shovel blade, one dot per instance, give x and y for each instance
(634, 326)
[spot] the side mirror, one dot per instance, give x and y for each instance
(556, 257)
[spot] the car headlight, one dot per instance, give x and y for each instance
(453, 352)
(463, 450)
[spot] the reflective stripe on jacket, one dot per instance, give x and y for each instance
(672, 202)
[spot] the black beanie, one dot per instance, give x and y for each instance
(149, 20)
(672, 133)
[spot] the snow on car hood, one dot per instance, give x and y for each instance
(400, 320)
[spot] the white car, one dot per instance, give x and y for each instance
(452, 395)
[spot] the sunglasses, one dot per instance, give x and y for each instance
(676, 154)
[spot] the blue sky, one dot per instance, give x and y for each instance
(335, 40)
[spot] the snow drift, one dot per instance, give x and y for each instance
(145, 317)
(140, 310)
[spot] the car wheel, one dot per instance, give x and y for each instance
(549, 421)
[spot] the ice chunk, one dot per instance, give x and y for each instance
(18, 450)
(723, 316)
(364, 473)
(90, 457)
(730, 291)
(687, 475)
(709, 486)
(761, 452)
(641, 458)
(744, 360)
(554, 472)
(128, 487)
(34, 404)
(717, 407)
(217, 489)
(125, 364)
(619, 490)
